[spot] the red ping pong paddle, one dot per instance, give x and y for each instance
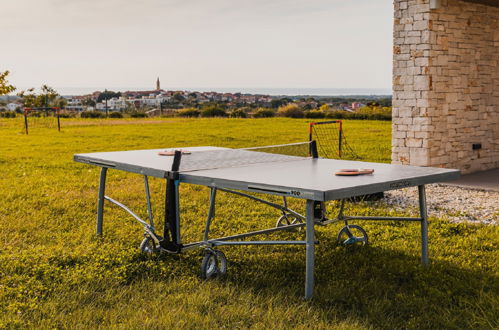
(351, 172)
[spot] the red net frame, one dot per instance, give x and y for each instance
(56, 110)
(330, 140)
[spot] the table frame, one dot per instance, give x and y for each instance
(313, 216)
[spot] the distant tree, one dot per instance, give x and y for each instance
(188, 113)
(315, 114)
(88, 102)
(47, 97)
(92, 114)
(214, 104)
(61, 102)
(245, 109)
(324, 107)
(237, 113)
(178, 97)
(292, 110)
(107, 95)
(5, 87)
(115, 114)
(385, 102)
(276, 103)
(263, 113)
(213, 111)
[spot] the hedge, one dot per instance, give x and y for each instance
(263, 113)
(188, 113)
(92, 114)
(115, 114)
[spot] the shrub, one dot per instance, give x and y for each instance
(376, 112)
(337, 114)
(315, 114)
(137, 114)
(213, 111)
(8, 114)
(324, 107)
(188, 113)
(92, 114)
(115, 114)
(237, 113)
(375, 115)
(291, 110)
(263, 113)
(245, 109)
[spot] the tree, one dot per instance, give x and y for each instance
(276, 103)
(178, 97)
(47, 97)
(61, 103)
(324, 107)
(291, 110)
(88, 102)
(5, 87)
(107, 95)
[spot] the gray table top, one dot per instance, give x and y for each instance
(270, 173)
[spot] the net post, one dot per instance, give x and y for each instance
(26, 120)
(58, 119)
(170, 235)
(176, 160)
(310, 133)
(310, 129)
(313, 149)
(340, 135)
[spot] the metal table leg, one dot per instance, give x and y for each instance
(424, 225)
(211, 213)
(100, 204)
(177, 214)
(310, 244)
(148, 200)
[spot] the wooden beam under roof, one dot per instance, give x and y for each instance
(493, 3)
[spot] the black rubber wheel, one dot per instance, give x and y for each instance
(147, 246)
(214, 264)
(288, 219)
(352, 235)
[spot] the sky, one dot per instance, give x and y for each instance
(216, 43)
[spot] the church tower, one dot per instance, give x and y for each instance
(158, 85)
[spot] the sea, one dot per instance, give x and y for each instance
(68, 91)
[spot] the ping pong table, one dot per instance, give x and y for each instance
(244, 172)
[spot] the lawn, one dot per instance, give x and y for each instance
(55, 273)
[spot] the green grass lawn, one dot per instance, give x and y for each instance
(55, 273)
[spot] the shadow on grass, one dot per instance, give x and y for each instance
(384, 288)
(379, 287)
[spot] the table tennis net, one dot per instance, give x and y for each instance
(224, 158)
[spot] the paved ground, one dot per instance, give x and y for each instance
(453, 203)
(486, 180)
(472, 198)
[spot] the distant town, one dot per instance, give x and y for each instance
(159, 102)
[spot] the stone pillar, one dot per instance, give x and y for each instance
(446, 85)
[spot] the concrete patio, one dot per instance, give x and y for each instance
(484, 180)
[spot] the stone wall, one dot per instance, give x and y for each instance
(446, 85)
